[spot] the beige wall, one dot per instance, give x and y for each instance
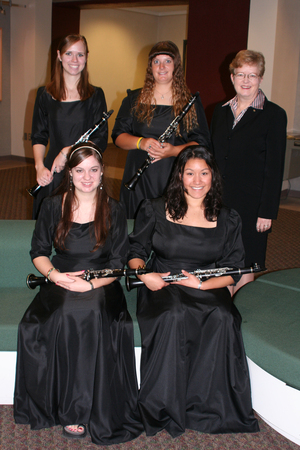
(274, 30)
(30, 46)
(287, 61)
(119, 42)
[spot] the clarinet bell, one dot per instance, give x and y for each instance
(132, 283)
(130, 185)
(34, 190)
(33, 281)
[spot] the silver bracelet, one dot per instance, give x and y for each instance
(92, 286)
(63, 154)
(199, 285)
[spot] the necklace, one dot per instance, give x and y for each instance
(162, 96)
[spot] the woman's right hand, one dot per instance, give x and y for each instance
(154, 280)
(43, 176)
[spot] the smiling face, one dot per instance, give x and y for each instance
(246, 86)
(162, 69)
(87, 175)
(74, 59)
(196, 178)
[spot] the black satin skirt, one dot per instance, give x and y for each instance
(76, 363)
(194, 373)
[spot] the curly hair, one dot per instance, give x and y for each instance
(144, 108)
(249, 57)
(102, 219)
(176, 203)
(57, 87)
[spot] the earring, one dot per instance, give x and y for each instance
(100, 185)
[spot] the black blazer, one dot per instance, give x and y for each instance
(251, 158)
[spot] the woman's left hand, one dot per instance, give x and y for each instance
(191, 280)
(263, 224)
(162, 151)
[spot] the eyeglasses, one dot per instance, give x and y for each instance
(250, 76)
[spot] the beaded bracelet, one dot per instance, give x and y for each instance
(63, 154)
(138, 144)
(199, 285)
(49, 272)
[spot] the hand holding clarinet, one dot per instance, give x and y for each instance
(33, 281)
(59, 162)
(156, 150)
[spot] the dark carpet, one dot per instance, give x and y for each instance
(283, 253)
(20, 437)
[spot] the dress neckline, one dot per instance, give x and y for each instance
(192, 226)
(85, 223)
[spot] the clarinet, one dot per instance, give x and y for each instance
(33, 281)
(132, 283)
(131, 184)
(84, 138)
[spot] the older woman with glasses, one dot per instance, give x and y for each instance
(249, 140)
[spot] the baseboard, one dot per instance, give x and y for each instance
(17, 158)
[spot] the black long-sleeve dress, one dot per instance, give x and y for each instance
(194, 371)
(250, 157)
(155, 179)
(75, 350)
(62, 124)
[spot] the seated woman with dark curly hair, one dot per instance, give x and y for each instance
(194, 371)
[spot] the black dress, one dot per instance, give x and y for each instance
(75, 350)
(62, 124)
(194, 371)
(250, 157)
(155, 179)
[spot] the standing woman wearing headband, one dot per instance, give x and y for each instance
(65, 109)
(76, 364)
(145, 114)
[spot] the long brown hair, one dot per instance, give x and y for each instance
(56, 87)
(102, 219)
(181, 94)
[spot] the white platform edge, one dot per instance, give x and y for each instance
(275, 402)
(8, 371)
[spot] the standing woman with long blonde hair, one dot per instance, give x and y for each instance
(64, 109)
(145, 114)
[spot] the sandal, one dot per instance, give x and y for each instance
(74, 431)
